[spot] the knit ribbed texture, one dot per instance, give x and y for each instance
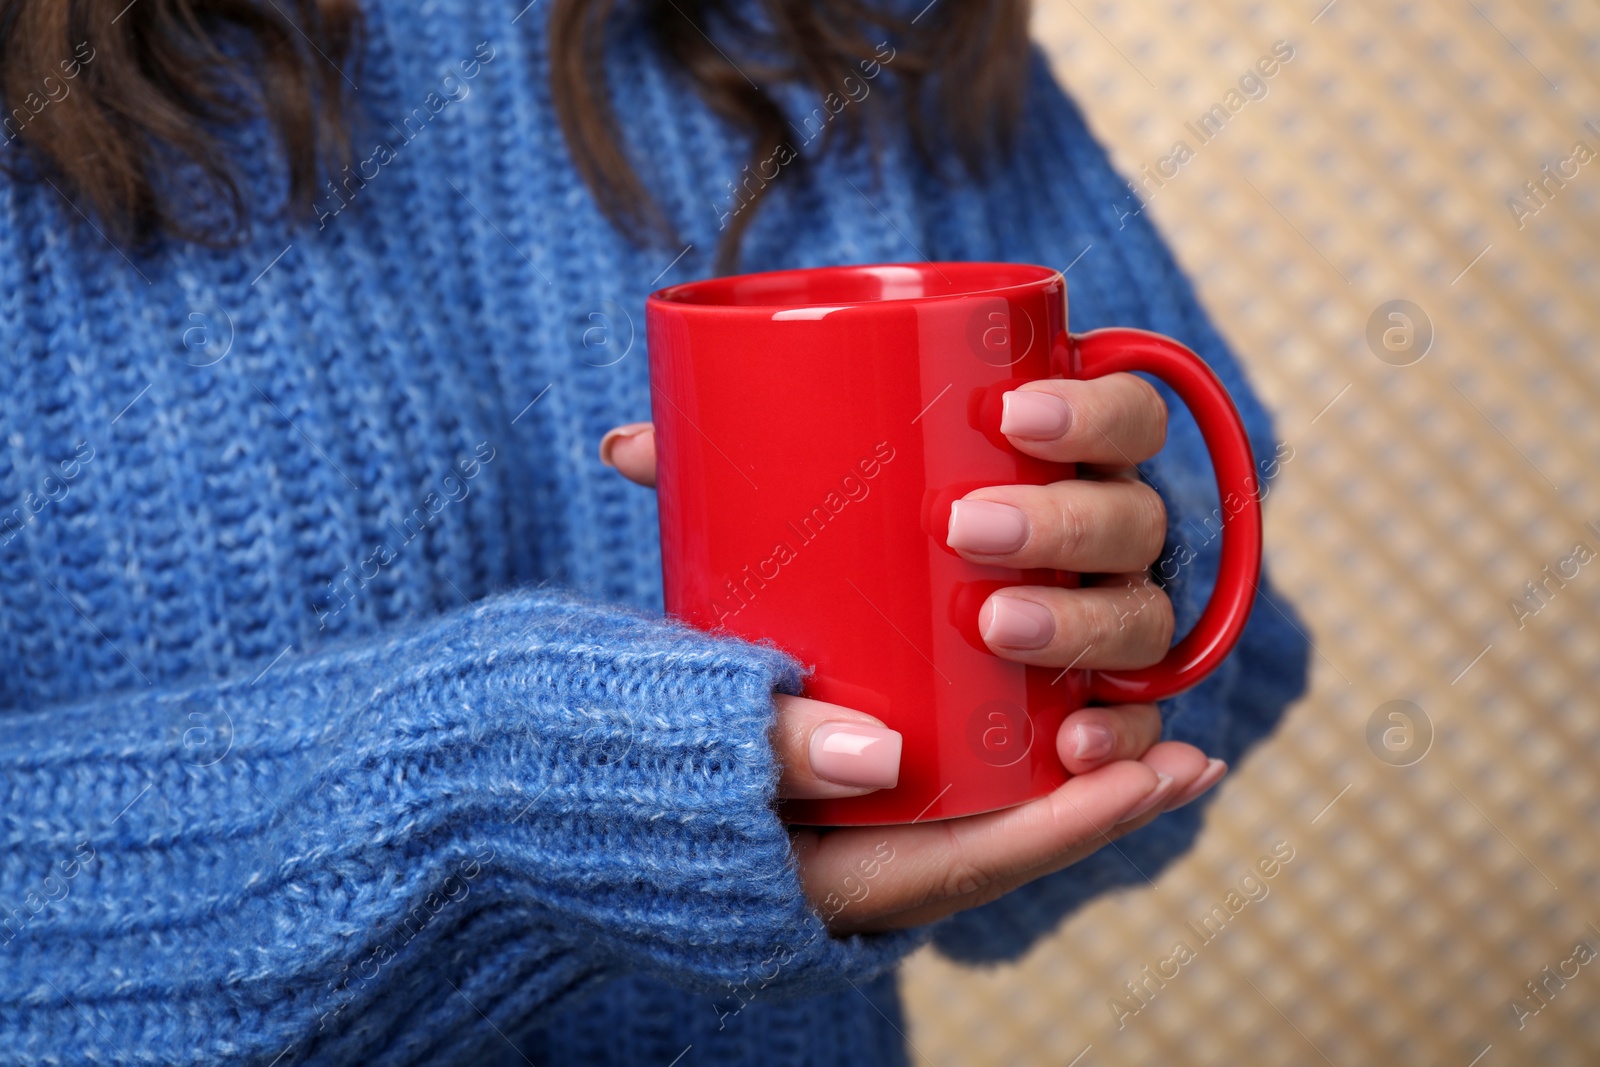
(341, 725)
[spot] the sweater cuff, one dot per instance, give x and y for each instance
(634, 783)
(519, 800)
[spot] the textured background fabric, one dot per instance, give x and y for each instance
(1421, 498)
(337, 727)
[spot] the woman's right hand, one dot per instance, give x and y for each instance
(873, 878)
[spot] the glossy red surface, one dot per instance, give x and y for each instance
(813, 428)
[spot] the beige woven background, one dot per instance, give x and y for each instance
(1421, 898)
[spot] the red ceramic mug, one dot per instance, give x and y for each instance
(813, 428)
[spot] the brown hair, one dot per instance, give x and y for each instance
(122, 105)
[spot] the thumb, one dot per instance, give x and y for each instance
(830, 751)
(631, 449)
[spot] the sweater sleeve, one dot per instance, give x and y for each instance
(345, 857)
(1138, 283)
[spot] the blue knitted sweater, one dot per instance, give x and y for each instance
(340, 723)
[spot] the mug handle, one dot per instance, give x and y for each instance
(1101, 352)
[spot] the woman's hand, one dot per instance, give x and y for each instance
(1106, 522)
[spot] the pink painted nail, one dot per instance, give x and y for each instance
(1154, 797)
(608, 443)
(1093, 741)
(1011, 622)
(985, 527)
(1035, 416)
(1201, 785)
(856, 754)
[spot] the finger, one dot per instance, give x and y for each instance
(1116, 419)
(1186, 765)
(1109, 472)
(1188, 768)
(1042, 837)
(1090, 526)
(1093, 737)
(830, 751)
(1203, 784)
(937, 864)
(631, 449)
(1124, 624)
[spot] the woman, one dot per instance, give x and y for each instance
(342, 726)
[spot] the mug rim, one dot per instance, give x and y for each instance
(673, 296)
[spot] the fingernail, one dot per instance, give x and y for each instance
(1036, 416)
(1209, 777)
(1011, 622)
(1093, 741)
(985, 527)
(1154, 797)
(608, 443)
(856, 754)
